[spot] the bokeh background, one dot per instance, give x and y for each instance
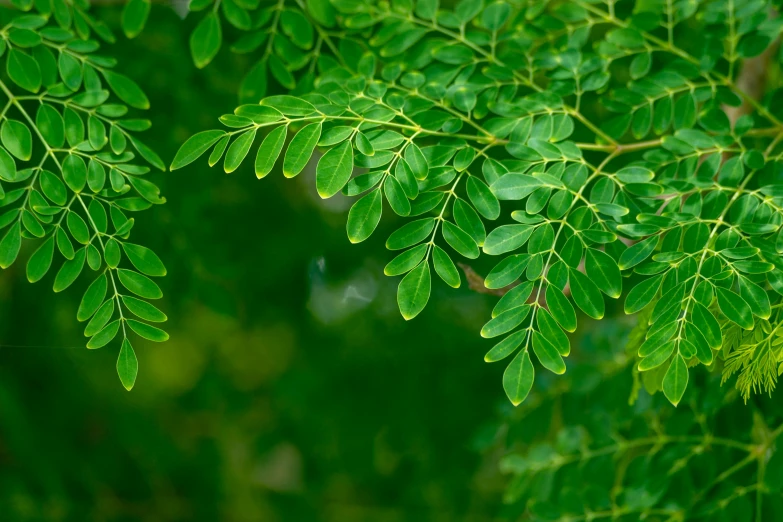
(291, 389)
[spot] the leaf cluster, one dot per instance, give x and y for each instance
(72, 170)
(603, 456)
(605, 128)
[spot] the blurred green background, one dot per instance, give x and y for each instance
(291, 388)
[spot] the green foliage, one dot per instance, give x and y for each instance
(628, 152)
(70, 172)
(605, 457)
(285, 38)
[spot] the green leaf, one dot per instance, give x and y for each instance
(459, 240)
(70, 70)
(506, 347)
(143, 309)
(586, 294)
(560, 308)
(515, 186)
(364, 216)
(507, 238)
(637, 253)
(396, 197)
(147, 153)
(604, 272)
(495, 15)
(254, 85)
(238, 150)
(7, 166)
(112, 253)
(100, 318)
(298, 28)
(39, 263)
(416, 161)
(335, 135)
(505, 322)
(444, 267)
(139, 284)
(105, 336)
(51, 126)
(148, 332)
(468, 220)
(364, 146)
(117, 141)
(75, 172)
(70, 270)
(289, 105)
(516, 296)
(659, 355)
(407, 180)
(518, 378)
(410, 234)
(196, 145)
(734, 308)
(144, 259)
(642, 294)
(707, 325)
(134, 17)
(217, 152)
(552, 332)
(280, 73)
(334, 170)
(205, 40)
(10, 245)
(756, 297)
(547, 354)
(17, 139)
(507, 271)
(53, 188)
(74, 127)
(64, 244)
(23, 70)
(414, 291)
(96, 133)
(270, 150)
(406, 261)
(127, 365)
(300, 150)
(93, 298)
(482, 198)
(676, 380)
(32, 225)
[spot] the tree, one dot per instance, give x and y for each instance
(602, 150)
